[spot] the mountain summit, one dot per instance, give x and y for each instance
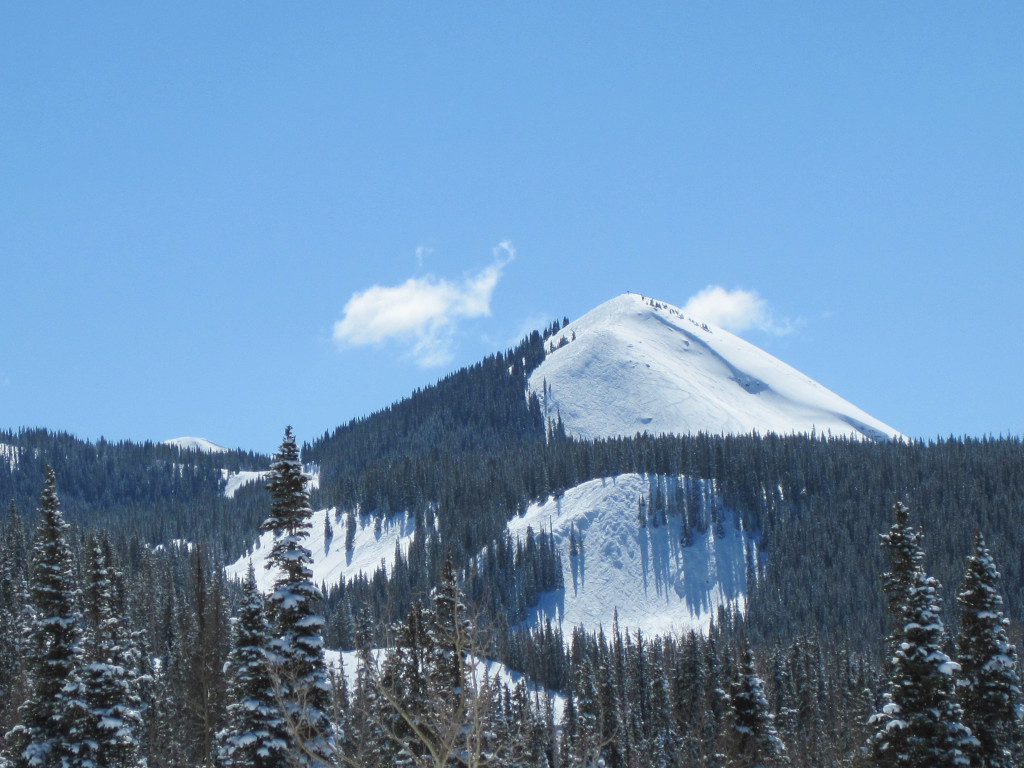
(635, 364)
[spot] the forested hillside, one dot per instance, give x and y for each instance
(793, 674)
(157, 493)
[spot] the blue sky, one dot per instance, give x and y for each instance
(192, 195)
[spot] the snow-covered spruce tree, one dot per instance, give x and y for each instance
(44, 738)
(989, 687)
(920, 723)
(107, 730)
(253, 718)
(752, 741)
(903, 543)
(295, 651)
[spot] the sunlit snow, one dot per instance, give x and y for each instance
(655, 584)
(200, 444)
(10, 454)
(634, 365)
(373, 548)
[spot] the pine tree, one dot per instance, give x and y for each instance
(920, 723)
(253, 714)
(107, 731)
(44, 738)
(989, 686)
(753, 740)
(903, 543)
(296, 649)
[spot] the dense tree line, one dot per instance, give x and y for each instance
(124, 656)
(804, 675)
(155, 492)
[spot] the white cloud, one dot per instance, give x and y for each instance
(735, 311)
(422, 251)
(422, 312)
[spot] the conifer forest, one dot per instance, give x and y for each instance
(880, 624)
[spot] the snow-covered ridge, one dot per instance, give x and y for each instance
(638, 365)
(657, 580)
(200, 444)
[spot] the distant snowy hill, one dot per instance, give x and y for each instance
(634, 364)
(196, 444)
(661, 552)
(654, 582)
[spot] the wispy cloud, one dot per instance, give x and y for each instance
(736, 310)
(421, 313)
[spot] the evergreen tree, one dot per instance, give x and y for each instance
(296, 649)
(989, 687)
(45, 738)
(753, 741)
(254, 717)
(903, 544)
(107, 732)
(920, 723)
(208, 645)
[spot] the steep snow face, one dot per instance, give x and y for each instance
(646, 574)
(235, 480)
(200, 444)
(373, 548)
(10, 454)
(636, 365)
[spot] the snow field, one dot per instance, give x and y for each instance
(654, 583)
(196, 444)
(633, 365)
(372, 549)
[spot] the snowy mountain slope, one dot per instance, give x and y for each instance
(196, 444)
(235, 480)
(372, 548)
(633, 365)
(10, 454)
(644, 573)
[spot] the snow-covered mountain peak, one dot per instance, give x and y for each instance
(196, 444)
(635, 364)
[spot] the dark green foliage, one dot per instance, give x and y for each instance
(753, 740)
(253, 716)
(109, 723)
(989, 685)
(920, 722)
(46, 734)
(157, 493)
(295, 649)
